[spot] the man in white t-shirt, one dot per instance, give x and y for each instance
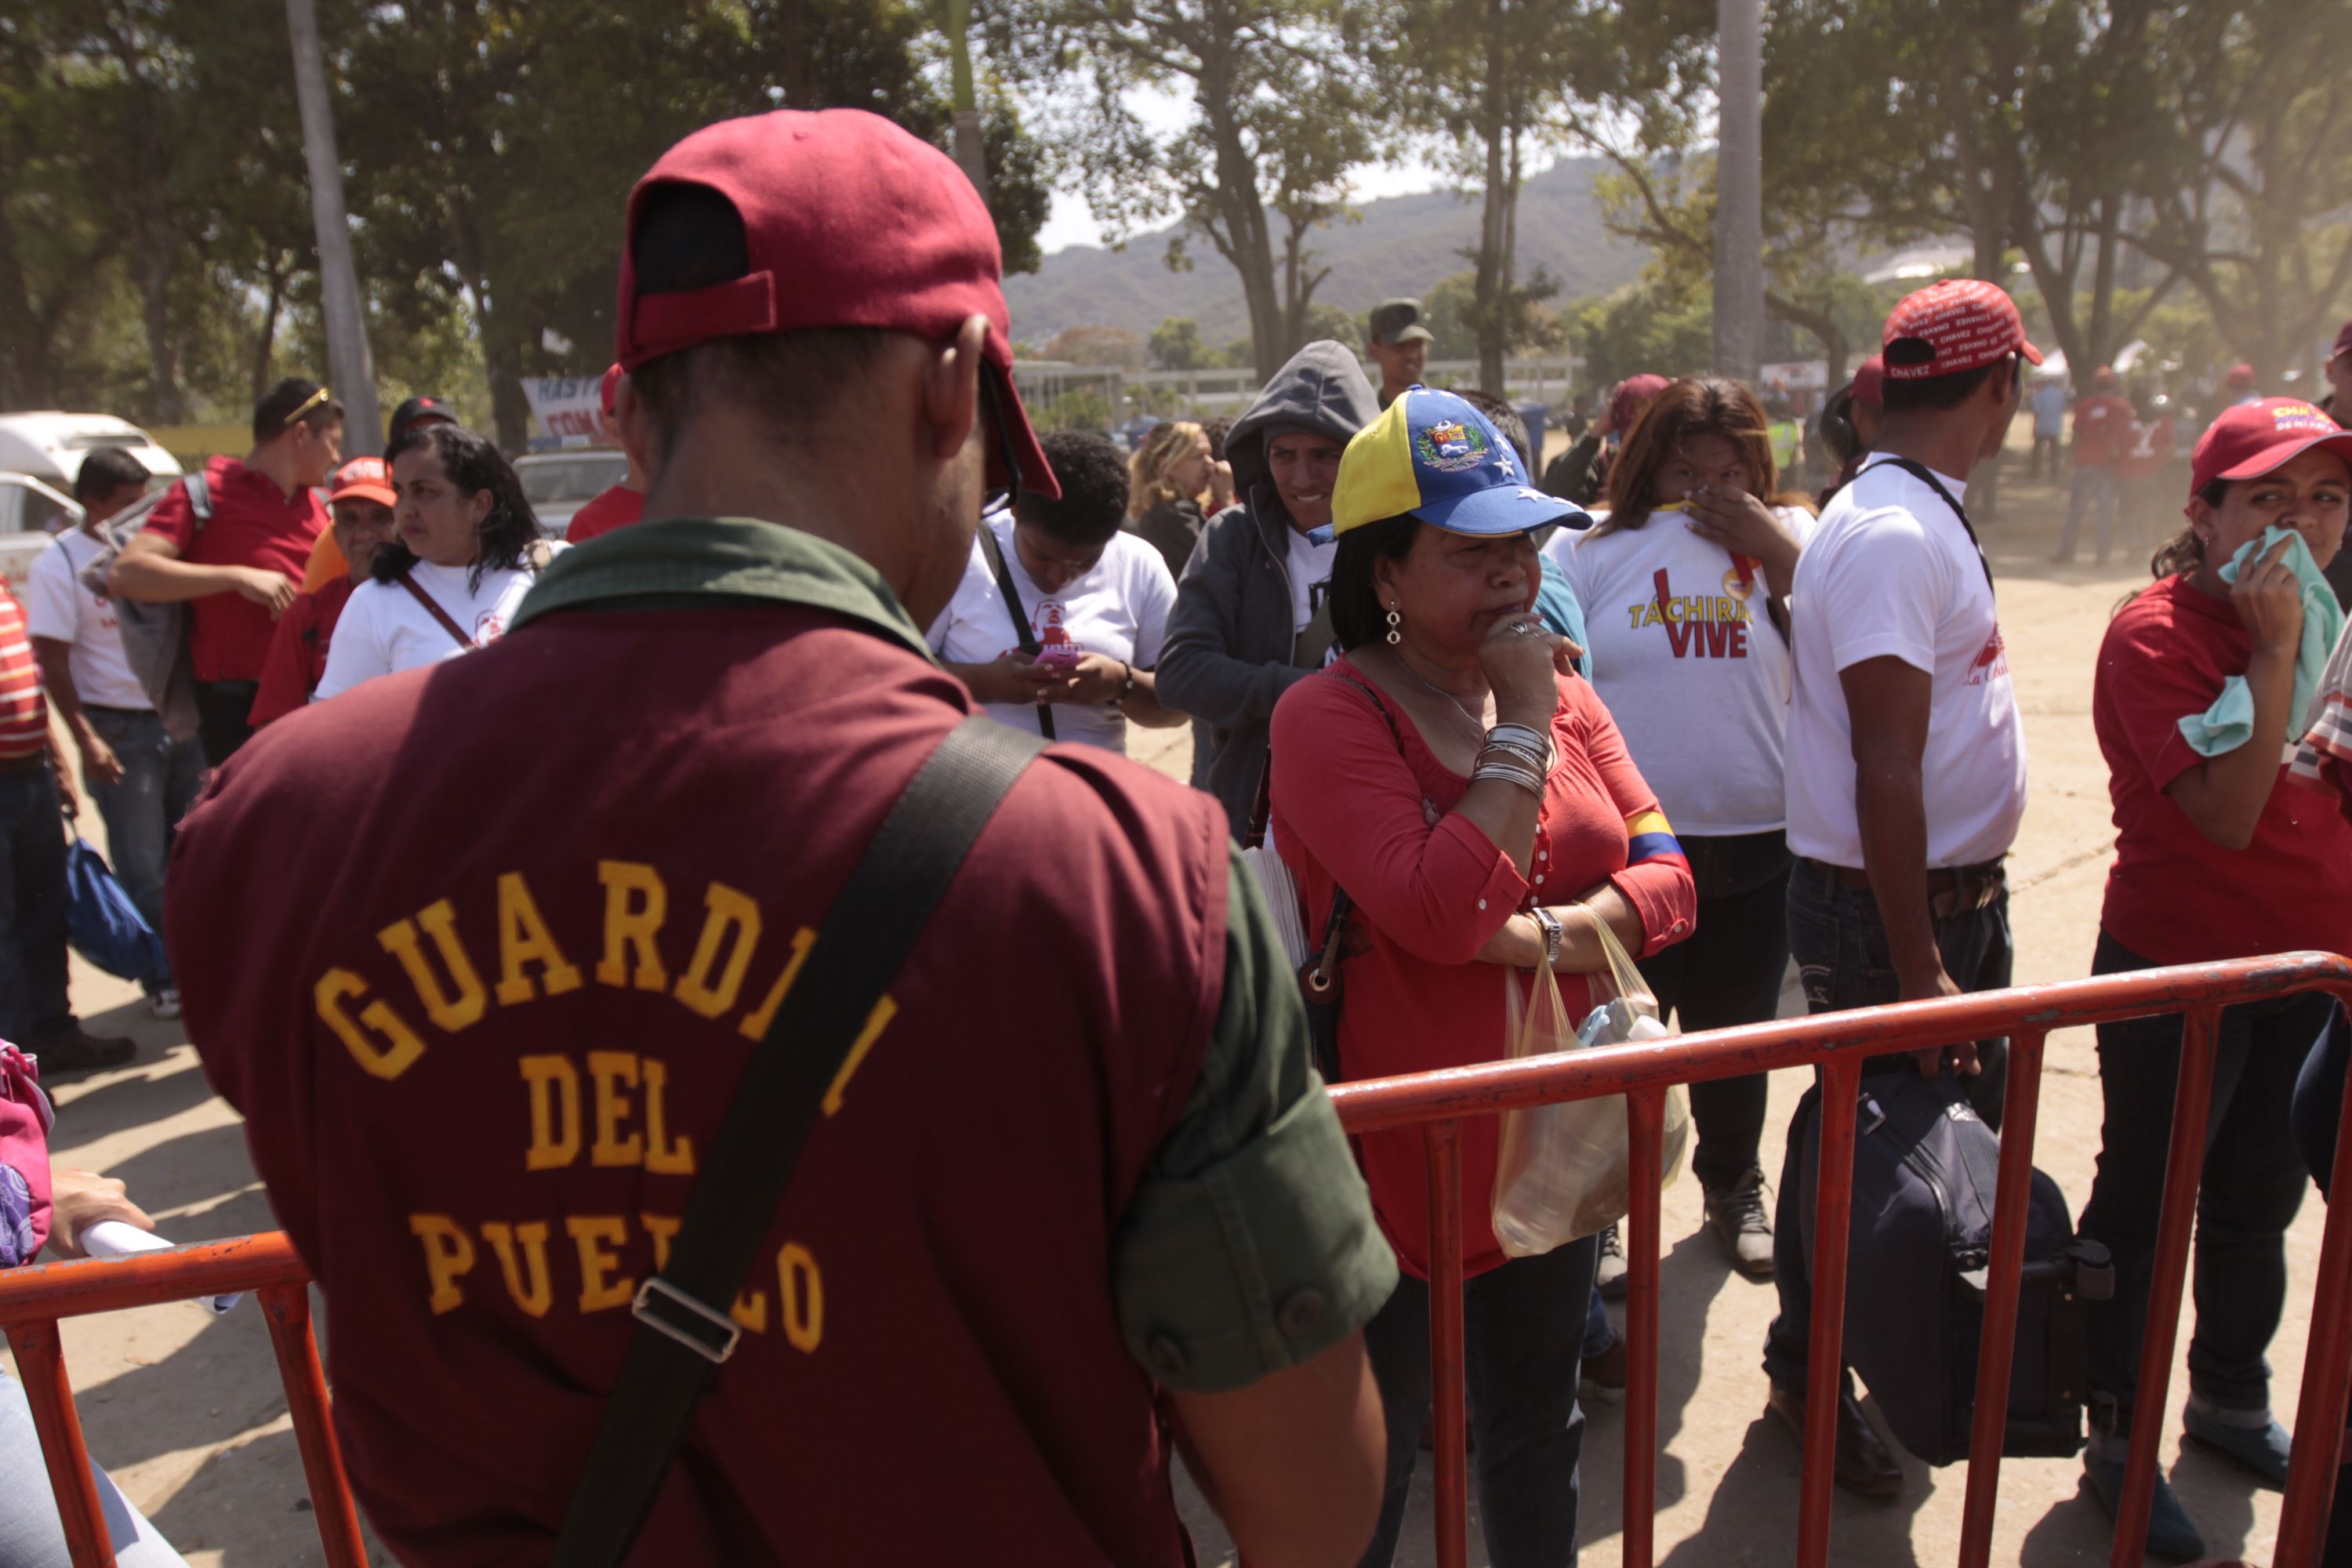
(1905, 754)
(142, 779)
(1092, 599)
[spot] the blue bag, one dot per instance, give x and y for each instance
(101, 921)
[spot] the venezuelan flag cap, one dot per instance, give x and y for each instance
(1432, 455)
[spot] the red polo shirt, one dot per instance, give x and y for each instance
(2174, 896)
(616, 507)
(254, 523)
(297, 651)
(2102, 430)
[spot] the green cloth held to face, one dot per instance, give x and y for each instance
(2230, 722)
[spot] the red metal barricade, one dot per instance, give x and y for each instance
(1838, 1043)
(33, 1299)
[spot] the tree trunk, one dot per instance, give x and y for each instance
(1493, 276)
(16, 348)
(266, 346)
(1248, 244)
(350, 368)
(153, 266)
(1739, 189)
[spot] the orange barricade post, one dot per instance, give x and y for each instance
(1838, 1043)
(33, 1299)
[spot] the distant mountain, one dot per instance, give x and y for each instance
(1403, 244)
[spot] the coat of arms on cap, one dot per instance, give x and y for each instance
(1450, 447)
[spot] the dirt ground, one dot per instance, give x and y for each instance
(186, 1410)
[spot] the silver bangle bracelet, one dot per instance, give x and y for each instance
(1540, 760)
(1526, 779)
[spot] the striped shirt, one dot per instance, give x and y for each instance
(24, 711)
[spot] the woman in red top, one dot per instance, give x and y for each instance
(1473, 797)
(2216, 856)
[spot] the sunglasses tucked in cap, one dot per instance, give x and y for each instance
(1949, 328)
(848, 221)
(1432, 455)
(363, 478)
(2253, 438)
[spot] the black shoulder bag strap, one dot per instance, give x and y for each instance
(1318, 982)
(1927, 476)
(1017, 610)
(683, 1327)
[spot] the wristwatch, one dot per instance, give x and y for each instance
(1552, 934)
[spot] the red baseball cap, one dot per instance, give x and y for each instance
(2253, 438)
(2241, 375)
(364, 478)
(1963, 323)
(1870, 382)
(2343, 343)
(609, 391)
(848, 221)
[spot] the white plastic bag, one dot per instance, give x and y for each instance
(1566, 1169)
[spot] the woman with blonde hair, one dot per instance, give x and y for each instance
(1172, 479)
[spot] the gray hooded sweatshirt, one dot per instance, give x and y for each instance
(1227, 658)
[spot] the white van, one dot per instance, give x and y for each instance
(40, 455)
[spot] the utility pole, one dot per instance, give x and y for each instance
(350, 370)
(968, 153)
(1739, 189)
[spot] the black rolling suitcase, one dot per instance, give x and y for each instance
(1926, 1168)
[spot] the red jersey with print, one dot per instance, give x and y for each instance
(2102, 430)
(254, 523)
(2174, 896)
(2150, 449)
(297, 651)
(479, 1050)
(616, 507)
(1356, 807)
(23, 710)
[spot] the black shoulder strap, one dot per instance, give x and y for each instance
(200, 497)
(1017, 610)
(683, 1327)
(1927, 476)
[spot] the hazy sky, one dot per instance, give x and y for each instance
(1069, 223)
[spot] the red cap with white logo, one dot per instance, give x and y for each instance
(1961, 324)
(2253, 438)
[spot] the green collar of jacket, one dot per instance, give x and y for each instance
(686, 563)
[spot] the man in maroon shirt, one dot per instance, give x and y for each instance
(239, 570)
(361, 507)
(1076, 1188)
(2104, 424)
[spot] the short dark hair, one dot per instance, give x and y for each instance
(689, 236)
(275, 413)
(1508, 424)
(1937, 394)
(106, 470)
(474, 464)
(1094, 488)
(1357, 617)
(1215, 429)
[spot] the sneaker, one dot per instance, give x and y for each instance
(1609, 1278)
(2252, 1438)
(1602, 1378)
(2172, 1534)
(1736, 1216)
(164, 1003)
(82, 1052)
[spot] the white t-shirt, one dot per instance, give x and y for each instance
(1119, 608)
(1890, 570)
(1311, 577)
(59, 607)
(1692, 667)
(383, 630)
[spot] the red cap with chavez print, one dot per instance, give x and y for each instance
(2253, 438)
(1961, 324)
(848, 221)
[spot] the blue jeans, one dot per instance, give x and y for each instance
(30, 1535)
(2252, 1187)
(32, 1005)
(1521, 1325)
(159, 779)
(1840, 945)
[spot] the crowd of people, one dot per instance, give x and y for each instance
(1089, 1208)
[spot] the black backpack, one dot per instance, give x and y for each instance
(1925, 1171)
